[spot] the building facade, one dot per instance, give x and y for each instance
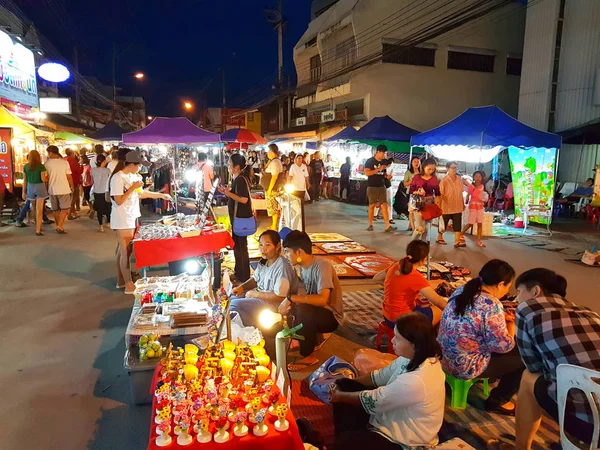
(421, 86)
(560, 82)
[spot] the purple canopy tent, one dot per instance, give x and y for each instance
(171, 130)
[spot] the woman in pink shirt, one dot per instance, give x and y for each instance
(477, 199)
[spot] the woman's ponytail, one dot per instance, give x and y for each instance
(416, 251)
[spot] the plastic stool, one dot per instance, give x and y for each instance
(460, 389)
(224, 220)
(384, 328)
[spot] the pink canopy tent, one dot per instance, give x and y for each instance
(171, 130)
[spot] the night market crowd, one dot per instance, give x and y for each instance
(469, 335)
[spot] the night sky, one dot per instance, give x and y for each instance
(179, 44)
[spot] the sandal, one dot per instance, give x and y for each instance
(460, 244)
(441, 242)
(480, 244)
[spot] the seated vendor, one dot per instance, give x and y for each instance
(273, 280)
(403, 284)
(400, 406)
(320, 309)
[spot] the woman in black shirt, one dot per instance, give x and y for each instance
(239, 194)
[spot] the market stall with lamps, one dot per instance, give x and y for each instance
(479, 134)
(66, 139)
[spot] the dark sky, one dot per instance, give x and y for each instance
(179, 44)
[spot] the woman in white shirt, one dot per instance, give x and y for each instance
(126, 191)
(399, 406)
(100, 175)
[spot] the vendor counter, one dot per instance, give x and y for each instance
(357, 193)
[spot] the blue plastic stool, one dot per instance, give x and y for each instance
(460, 389)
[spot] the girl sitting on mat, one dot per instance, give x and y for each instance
(403, 284)
(400, 406)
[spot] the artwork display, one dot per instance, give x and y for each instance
(369, 265)
(328, 237)
(343, 270)
(533, 178)
(336, 248)
(317, 251)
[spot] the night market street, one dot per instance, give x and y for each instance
(67, 376)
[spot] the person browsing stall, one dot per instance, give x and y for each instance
(375, 170)
(477, 338)
(125, 186)
(400, 406)
(403, 284)
(208, 174)
(320, 309)
(551, 331)
(34, 187)
(477, 199)
(239, 199)
(60, 186)
(425, 184)
(272, 182)
(345, 171)
(100, 175)
(299, 177)
(452, 203)
(273, 280)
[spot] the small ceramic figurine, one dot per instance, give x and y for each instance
(222, 435)
(163, 438)
(253, 408)
(184, 437)
(241, 429)
(203, 435)
(281, 424)
(260, 429)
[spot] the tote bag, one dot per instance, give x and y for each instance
(322, 378)
(244, 226)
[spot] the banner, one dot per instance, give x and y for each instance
(17, 72)
(533, 178)
(6, 168)
(596, 195)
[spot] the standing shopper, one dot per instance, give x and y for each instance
(414, 169)
(345, 170)
(477, 199)
(426, 185)
(299, 177)
(86, 182)
(239, 195)
(60, 186)
(126, 191)
(316, 175)
(34, 187)
(208, 174)
(453, 204)
(375, 168)
(271, 181)
(76, 172)
(100, 175)
(328, 180)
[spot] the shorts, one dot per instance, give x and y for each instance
(456, 221)
(575, 426)
(36, 191)
(273, 207)
(475, 216)
(61, 202)
(377, 195)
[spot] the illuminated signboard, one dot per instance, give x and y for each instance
(55, 105)
(17, 72)
(6, 157)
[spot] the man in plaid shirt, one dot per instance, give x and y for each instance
(552, 331)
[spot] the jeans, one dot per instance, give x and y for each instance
(242, 259)
(509, 368)
(249, 309)
(314, 320)
(26, 209)
(351, 423)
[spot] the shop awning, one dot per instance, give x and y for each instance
(110, 132)
(73, 139)
(486, 126)
(171, 130)
(21, 129)
(344, 135)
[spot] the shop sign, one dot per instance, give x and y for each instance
(17, 72)
(61, 105)
(327, 116)
(6, 157)
(300, 121)
(233, 118)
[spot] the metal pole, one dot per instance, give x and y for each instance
(114, 78)
(289, 224)
(429, 254)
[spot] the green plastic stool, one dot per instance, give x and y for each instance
(460, 389)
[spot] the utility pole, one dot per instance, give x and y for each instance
(77, 87)
(114, 79)
(289, 100)
(223, 82)
(275, 16)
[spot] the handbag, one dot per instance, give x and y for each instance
(244, 226)
(431, 211)
(332, 369)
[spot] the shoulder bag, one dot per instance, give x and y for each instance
(244, 226)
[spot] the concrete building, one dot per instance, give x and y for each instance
(420, 86)
(560, 82)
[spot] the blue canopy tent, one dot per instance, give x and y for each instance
(344, 135)
(386, 131)
(110, 132)
(479, 134)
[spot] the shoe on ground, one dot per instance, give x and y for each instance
(120, 286)
(73, 217)
(390, 229)
(370, 228)
(21, 225)
(101, 229)
(108, 226)
(61, 231)
(129, 291)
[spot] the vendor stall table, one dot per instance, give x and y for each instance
(273, 440)
(161, 251)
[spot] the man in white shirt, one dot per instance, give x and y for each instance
(299, 177)
(60, 186)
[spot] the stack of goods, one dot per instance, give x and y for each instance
(150, 347)
(205, 397)
(452, 276)
(171, 289)
(170, 227)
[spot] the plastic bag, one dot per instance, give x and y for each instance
(366, 360)
(322, 378)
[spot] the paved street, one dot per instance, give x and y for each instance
(62, 324)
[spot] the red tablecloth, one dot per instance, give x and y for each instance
(273, 440)
(161, 251)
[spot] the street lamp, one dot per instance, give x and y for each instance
(150, 117)
(188, 105)
(139, 75)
